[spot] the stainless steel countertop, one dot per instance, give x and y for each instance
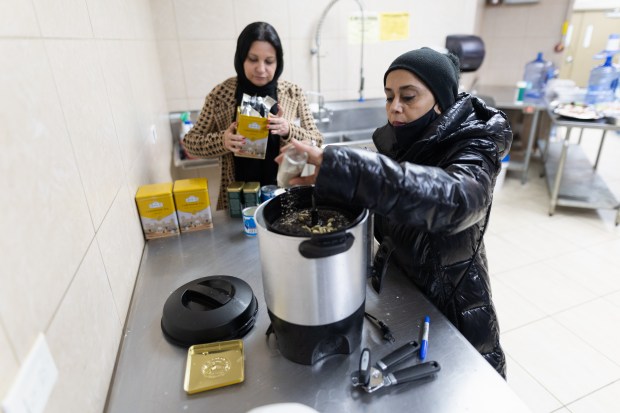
(150, 371)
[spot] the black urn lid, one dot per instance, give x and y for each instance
(214, 308)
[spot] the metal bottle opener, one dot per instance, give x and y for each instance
(371, 378)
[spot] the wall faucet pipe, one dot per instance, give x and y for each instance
(317, 49)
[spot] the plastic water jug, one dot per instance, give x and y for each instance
(537, 72)
(602, 83)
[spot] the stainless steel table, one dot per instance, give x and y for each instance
(503, 97)
(571, 178)
(149, 372)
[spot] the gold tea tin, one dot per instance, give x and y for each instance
(213, 365)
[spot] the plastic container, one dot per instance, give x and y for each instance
(520, 91)
(602, 83)
(186, 125)
(537, 73)
(499, 182)
(292, 165)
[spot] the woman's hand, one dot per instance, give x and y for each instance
(315, 157)
(277, 125)
(232, 141)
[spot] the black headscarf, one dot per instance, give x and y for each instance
(247, 169)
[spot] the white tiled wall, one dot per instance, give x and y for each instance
(197, 45)
(81, 86)
(83, 82)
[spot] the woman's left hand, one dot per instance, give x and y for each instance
(277, 124)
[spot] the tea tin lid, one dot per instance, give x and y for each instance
(213, 365)
(236, 186)
(151, 190)
(214, 308)
(188, 185)
(251, 187)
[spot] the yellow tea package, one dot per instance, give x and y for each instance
(156, 209)
(252, 117)
(191, 197)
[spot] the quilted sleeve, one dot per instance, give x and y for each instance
(447, 199)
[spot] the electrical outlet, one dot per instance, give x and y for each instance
(154, 133)
(35, 381)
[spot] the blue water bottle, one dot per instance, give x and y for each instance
(602, 83)
(536, 76)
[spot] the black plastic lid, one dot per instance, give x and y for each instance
(214, 308)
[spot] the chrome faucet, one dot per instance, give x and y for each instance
(322, 114)
(317, 50)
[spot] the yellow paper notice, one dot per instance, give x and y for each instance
(394, 26)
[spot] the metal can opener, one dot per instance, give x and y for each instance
(371, 378)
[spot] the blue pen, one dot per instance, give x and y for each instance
(424, 345)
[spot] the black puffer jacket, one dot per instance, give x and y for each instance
(433, 202)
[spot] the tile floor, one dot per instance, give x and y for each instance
(556, 286)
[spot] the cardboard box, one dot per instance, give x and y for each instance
(254, 128)
(191, 197)
(156, 209)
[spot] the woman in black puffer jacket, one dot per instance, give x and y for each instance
(430, 187)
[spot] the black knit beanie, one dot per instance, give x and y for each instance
(440, 72)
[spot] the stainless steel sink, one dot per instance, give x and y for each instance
(351, 120)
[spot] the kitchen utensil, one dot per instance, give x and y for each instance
(214, 308)
(371, 378)
(315, 285)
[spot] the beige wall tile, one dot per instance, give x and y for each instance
(331, 56)
(123, 104)
(139, 14)
(8, 362)
(172, 69)
(103, 95)
(121, 242)
(164, 20)
(205, 20)
(110, 19)
(275, 12)
(83, 339)
(205, 64)
(296, 65)
(47, 222)
(302, 27)
(89, 120)
(181, 105)
(18, 19)
(63, 18)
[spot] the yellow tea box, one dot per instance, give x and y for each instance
(191, 197)
(156, 209)
(254, 129)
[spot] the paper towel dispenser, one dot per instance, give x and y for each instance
(468, 48)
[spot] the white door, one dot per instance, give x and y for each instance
(590, 32)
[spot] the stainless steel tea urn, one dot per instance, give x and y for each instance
(315, 285)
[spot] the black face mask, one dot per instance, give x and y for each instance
(412, 131)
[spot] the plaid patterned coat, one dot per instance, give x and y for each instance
(206, 139)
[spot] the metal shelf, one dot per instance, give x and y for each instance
(580, 186)
(190, 163)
